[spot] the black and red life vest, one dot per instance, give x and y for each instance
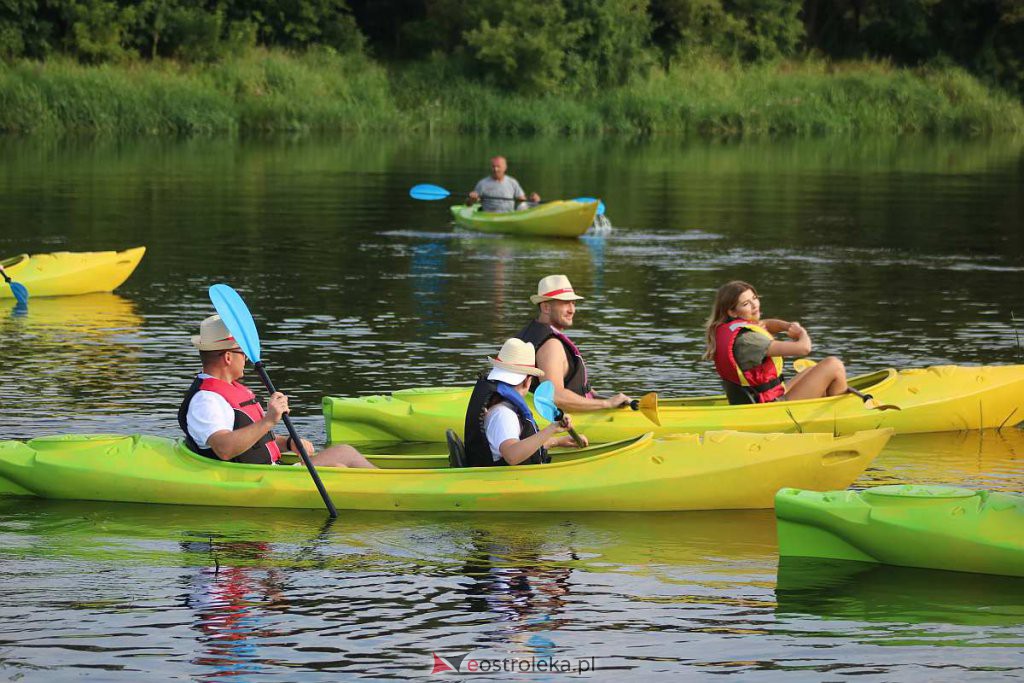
(247, 411)
(478, 451)
(575, 379)
(764, 382)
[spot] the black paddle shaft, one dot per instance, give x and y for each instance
(262, 372)
(572, 432)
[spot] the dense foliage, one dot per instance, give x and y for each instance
(519, 45)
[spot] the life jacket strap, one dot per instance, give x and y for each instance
(770, 384)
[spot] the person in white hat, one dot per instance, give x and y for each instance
(500, 429)
(557, 356)
(223, 420)
(498, 192)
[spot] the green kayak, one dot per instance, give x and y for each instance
(933, 527)
(552, 219)
(719, 470)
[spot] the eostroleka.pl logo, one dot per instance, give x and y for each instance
(463, 664)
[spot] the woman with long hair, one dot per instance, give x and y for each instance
(748, 357)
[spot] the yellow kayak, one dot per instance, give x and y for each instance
(552, 219)
(935, 399)
(721, 470)
(64, 273)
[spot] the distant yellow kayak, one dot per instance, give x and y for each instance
(64, 273)
(552, 219)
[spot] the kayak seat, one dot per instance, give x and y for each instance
(456, 450)
(738, 395)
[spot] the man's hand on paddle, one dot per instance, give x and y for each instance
(277, 406)
(617, 400)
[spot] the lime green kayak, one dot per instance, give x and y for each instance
(719, 470)
(552, 219)
(933, 527)
(936, 399)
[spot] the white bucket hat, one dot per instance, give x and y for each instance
(554, 287)
(515, 361)
(214, 336)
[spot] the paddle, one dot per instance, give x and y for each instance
(17, 289)
(648, 406)
(544, 400)
(429, 193)
(236, 316)
(801, 364)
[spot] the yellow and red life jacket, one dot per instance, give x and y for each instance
(763, 382)
(247, 411)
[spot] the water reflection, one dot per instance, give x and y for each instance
(860, 591)
(989, 459)
(525, 595)
(101, 314)
(231, 606)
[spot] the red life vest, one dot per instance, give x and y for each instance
(764, 380)
(247, 411)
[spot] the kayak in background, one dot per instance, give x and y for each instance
(65, 273)
(937, 399)
(931, 527)
(721, 470)
(551, 219)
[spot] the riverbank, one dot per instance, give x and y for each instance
(274, 91)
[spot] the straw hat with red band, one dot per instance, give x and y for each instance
(515, 361)
(214, 336)
(554, 287)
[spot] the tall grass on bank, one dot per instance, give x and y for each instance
(320, 90)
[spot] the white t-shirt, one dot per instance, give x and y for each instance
(500, 424)
(208, 413)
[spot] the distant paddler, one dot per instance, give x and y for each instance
(748, 357)
(558, 356)
(498, 192)
(500, 429)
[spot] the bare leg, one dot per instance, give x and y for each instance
(341, 456)
(827, 378)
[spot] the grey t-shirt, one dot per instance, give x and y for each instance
(507, 190)
(750, 349)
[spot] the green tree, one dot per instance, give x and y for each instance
(614, 43)
(525, 47)
(745, 30)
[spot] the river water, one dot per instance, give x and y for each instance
(892, 253)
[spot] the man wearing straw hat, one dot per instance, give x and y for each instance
(223, 420)
(500, 429)
(557, 356)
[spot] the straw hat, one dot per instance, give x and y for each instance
(515, 361)
(214, 336)
(554, 287)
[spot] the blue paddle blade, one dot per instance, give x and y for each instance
(544, 401)
(587, 200)
(428, 192)
(20, 293)
(236, 316)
